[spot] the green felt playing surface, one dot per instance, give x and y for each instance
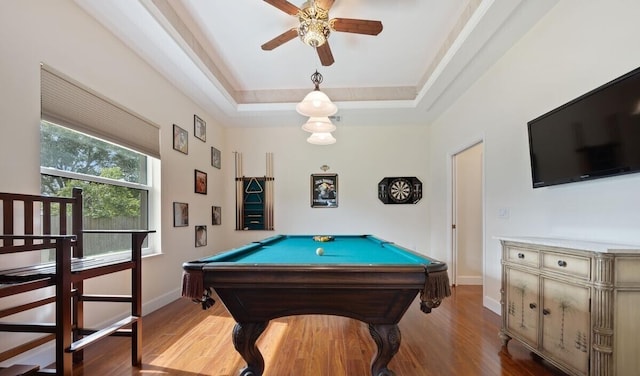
(301, 249)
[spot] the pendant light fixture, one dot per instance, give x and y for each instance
(318, 124)
(318, 107)
(321, 138)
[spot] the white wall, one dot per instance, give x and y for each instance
(361, 157)
(577, 47)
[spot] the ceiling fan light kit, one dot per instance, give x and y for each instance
(314, 28)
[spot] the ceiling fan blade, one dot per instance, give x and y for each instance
(350, 25)
(325, 4)
(284, 6)
(324, 52)
(280, 39)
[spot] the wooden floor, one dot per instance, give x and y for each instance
(458, 338)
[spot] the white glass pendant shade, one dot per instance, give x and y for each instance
(318, 125)
(318, 107)
(316, 104)
(321, 138)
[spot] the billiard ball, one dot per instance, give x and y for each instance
(319, 251)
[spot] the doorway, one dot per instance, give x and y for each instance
(467, 216)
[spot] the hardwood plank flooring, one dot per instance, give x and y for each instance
(458, 338)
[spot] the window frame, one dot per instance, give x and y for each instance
(149, 188)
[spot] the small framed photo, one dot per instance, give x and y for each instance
(200, 182)
(215, 157)
(180, 214)
(216, 215)
(324, 190)
(201, 236)
(199, 128)
(180, 140)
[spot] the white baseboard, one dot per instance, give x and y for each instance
(45, 354)
(160, 301)
(469, 280)
(492, 304)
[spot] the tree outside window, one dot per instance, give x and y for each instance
(113, 180)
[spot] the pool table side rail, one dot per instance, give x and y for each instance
(432, 285)
(305, 276)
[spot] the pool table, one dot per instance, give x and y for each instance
(356, 276)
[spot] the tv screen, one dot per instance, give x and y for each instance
(594, 136)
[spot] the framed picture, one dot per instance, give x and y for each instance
(200, 182)
(324, 190)
(180, 214)
(199, 128)
(216, 215)
(201, 236)
(215, 157)
(180, 140)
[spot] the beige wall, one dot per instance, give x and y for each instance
(63, 36)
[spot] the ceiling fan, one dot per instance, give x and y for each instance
(315, 26)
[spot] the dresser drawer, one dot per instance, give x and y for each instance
(626, 271)
(522, 256)
(568, 264)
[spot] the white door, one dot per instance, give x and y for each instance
(467, 216)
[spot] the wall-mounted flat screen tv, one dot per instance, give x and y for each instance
(594, 136)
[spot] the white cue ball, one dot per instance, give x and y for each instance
(319, 251)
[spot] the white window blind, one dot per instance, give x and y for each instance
(68, 103)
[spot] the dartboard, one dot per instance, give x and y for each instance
(400, 190)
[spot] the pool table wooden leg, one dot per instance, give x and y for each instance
(245, 335)
(387, 338)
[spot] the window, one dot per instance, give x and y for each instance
(92, 142)
(114, 180)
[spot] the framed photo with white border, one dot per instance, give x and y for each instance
(199, 128)
(200, 182)
(180, 140)
(201, 236)
(216, 215)
(215, 157)
(180, 214)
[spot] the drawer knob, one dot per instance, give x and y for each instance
(533, 305)
(546, 312)
(562, 263)
(521, 255)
